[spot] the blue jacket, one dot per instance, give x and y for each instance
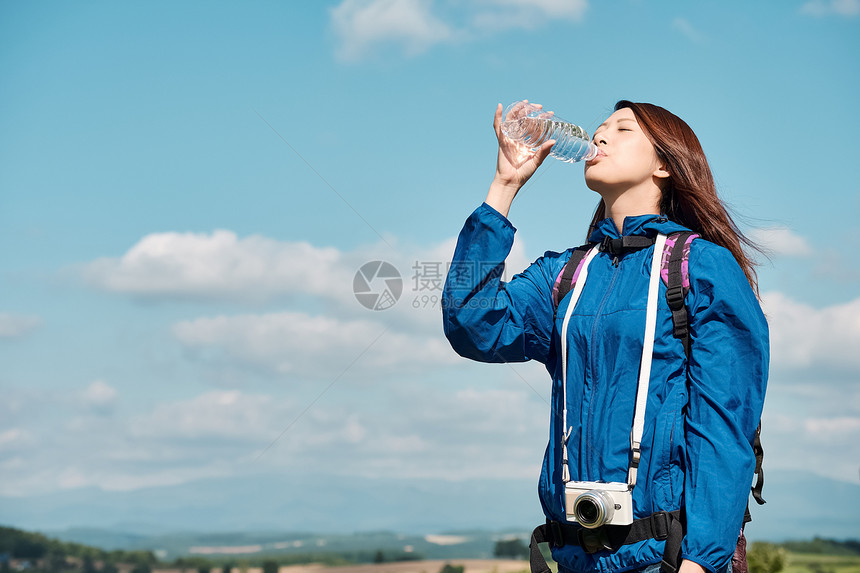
(701, 414)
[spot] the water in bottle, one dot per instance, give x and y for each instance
(529, 124)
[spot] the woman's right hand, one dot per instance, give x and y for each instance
(516, 163)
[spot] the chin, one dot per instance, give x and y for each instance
(594, 183)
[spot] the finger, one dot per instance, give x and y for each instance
(521, 109)
(497, 120)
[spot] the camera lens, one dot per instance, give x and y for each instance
(593, 508)
(587, 511)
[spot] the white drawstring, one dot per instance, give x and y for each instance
(645, 365)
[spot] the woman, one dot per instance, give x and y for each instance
(703, 406)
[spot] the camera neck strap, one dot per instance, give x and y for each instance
(644, 367)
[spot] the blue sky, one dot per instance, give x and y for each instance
(188, 188)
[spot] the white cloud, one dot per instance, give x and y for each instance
(825, 446)
(360, 25)
(803, 336)
(15, 325)
(498, 15)
(15, 439)
(210, 435)
(219, 414)
(550, 8)
(782, 241)
(467, 434)
(826, 428)
(824, 7)
(313, 346)
(115, 479)
(100, 396)
(411, 429)
(220, 265)
(812, 423)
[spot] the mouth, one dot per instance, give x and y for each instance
(600, 154)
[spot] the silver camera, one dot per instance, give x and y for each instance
(592, 504)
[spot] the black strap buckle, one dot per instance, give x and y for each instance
(612, 246)
(675, 297)
(680, 328)
(660, 525)
(594, 540)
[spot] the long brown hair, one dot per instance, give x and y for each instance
(689, 196)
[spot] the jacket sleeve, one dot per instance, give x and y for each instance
(727, 375)
(485, 318)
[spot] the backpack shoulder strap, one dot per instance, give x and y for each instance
(675, 272)
(566, 279)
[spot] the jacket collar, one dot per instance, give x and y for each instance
(638, 225)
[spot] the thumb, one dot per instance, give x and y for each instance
(544, 150)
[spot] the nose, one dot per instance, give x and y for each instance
(599, 139)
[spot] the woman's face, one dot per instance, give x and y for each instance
(627, 157)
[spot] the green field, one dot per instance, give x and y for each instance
(817, 563)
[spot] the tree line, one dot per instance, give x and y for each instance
(46, 554)
(51, 555)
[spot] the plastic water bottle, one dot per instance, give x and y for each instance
(530, 125)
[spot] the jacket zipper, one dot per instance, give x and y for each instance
(592, 362)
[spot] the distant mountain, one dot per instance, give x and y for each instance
(804, 505)
(285, 503)
(800, 506)
(395, 546)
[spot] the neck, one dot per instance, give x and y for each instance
(630, 203)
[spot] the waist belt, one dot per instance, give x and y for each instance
(661, 526)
